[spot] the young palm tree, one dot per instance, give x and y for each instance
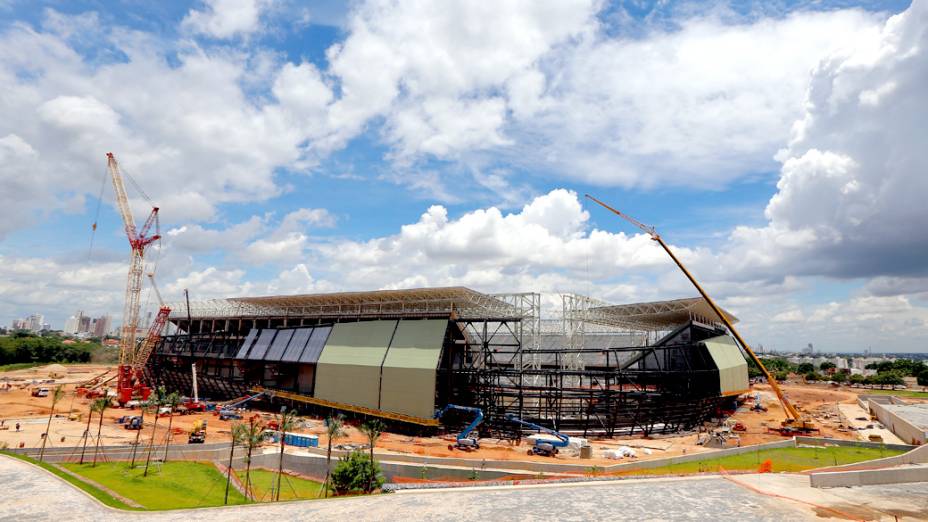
(335, 429)
(252, 436)
(372, 429)
(138, 434)
(87, 430)
(238, 437)
(171, 400)
(154, 401)
(100, 405)
(285, 423)
(57, 394)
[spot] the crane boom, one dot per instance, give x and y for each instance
(129, 375)
(791, 412)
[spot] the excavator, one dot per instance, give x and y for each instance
(464, 439)
(545, 448)
(795, 423)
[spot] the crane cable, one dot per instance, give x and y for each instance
(96, 216)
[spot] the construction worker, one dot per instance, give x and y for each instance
(17, 426)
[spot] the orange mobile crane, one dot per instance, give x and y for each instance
(794, 423)
(130, 379)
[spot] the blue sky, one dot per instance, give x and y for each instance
(322, 146)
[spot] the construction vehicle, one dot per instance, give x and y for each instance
(130, 382)
(133, 423)
(543, 447)
(194, 405)
(228, 411)
(95, 387)
(794, 422)
(197, 433)
(464, 440)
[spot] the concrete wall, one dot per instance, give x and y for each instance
(870, 477)
(899, 425)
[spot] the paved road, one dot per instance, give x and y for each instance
(30, 493)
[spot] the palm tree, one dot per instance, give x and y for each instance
(57, 394)
(285, 423)
(372, 429)
(154, 401)
(252, 436)
(335, 429)
(100, 405)
(238, 436)
(87, 431)
(172, 400)
(138, 434)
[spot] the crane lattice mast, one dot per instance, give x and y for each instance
(792, 413)
(138, 242)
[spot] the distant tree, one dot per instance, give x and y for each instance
(781, 375)
(884, 367)
(871, 366)
(839, 377)
(805, 368)
(56, 396)
(372, 429)
(827, 365)
(813, 376)
(857, 379)
(922, 378)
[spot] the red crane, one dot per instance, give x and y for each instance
(130, 374)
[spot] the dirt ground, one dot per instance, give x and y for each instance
(16, 405)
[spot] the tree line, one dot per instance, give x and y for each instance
(888, 373)
(22, 347)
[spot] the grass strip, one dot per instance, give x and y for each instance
(782, 460)
(172, 485)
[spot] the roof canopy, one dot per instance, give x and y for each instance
(417, 302)
(657, 315)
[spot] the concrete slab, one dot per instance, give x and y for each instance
(850, 414)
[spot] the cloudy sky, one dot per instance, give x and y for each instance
(323, 146)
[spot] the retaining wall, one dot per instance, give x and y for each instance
(915, 473)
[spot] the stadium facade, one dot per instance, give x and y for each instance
(588, 366)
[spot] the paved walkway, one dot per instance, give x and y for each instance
(32, 494)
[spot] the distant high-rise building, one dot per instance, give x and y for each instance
(35, 322)
(18, 324)
(83, 324)
(70, 325)
(101, 326)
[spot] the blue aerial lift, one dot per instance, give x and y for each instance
(545, 448)
(228, 411)
(464, 440)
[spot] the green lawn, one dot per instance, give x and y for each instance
(173, 485)
(97, 493)
(898, 393)
(291, 488)
(783, 459)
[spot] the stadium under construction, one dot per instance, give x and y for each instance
(584, 366)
